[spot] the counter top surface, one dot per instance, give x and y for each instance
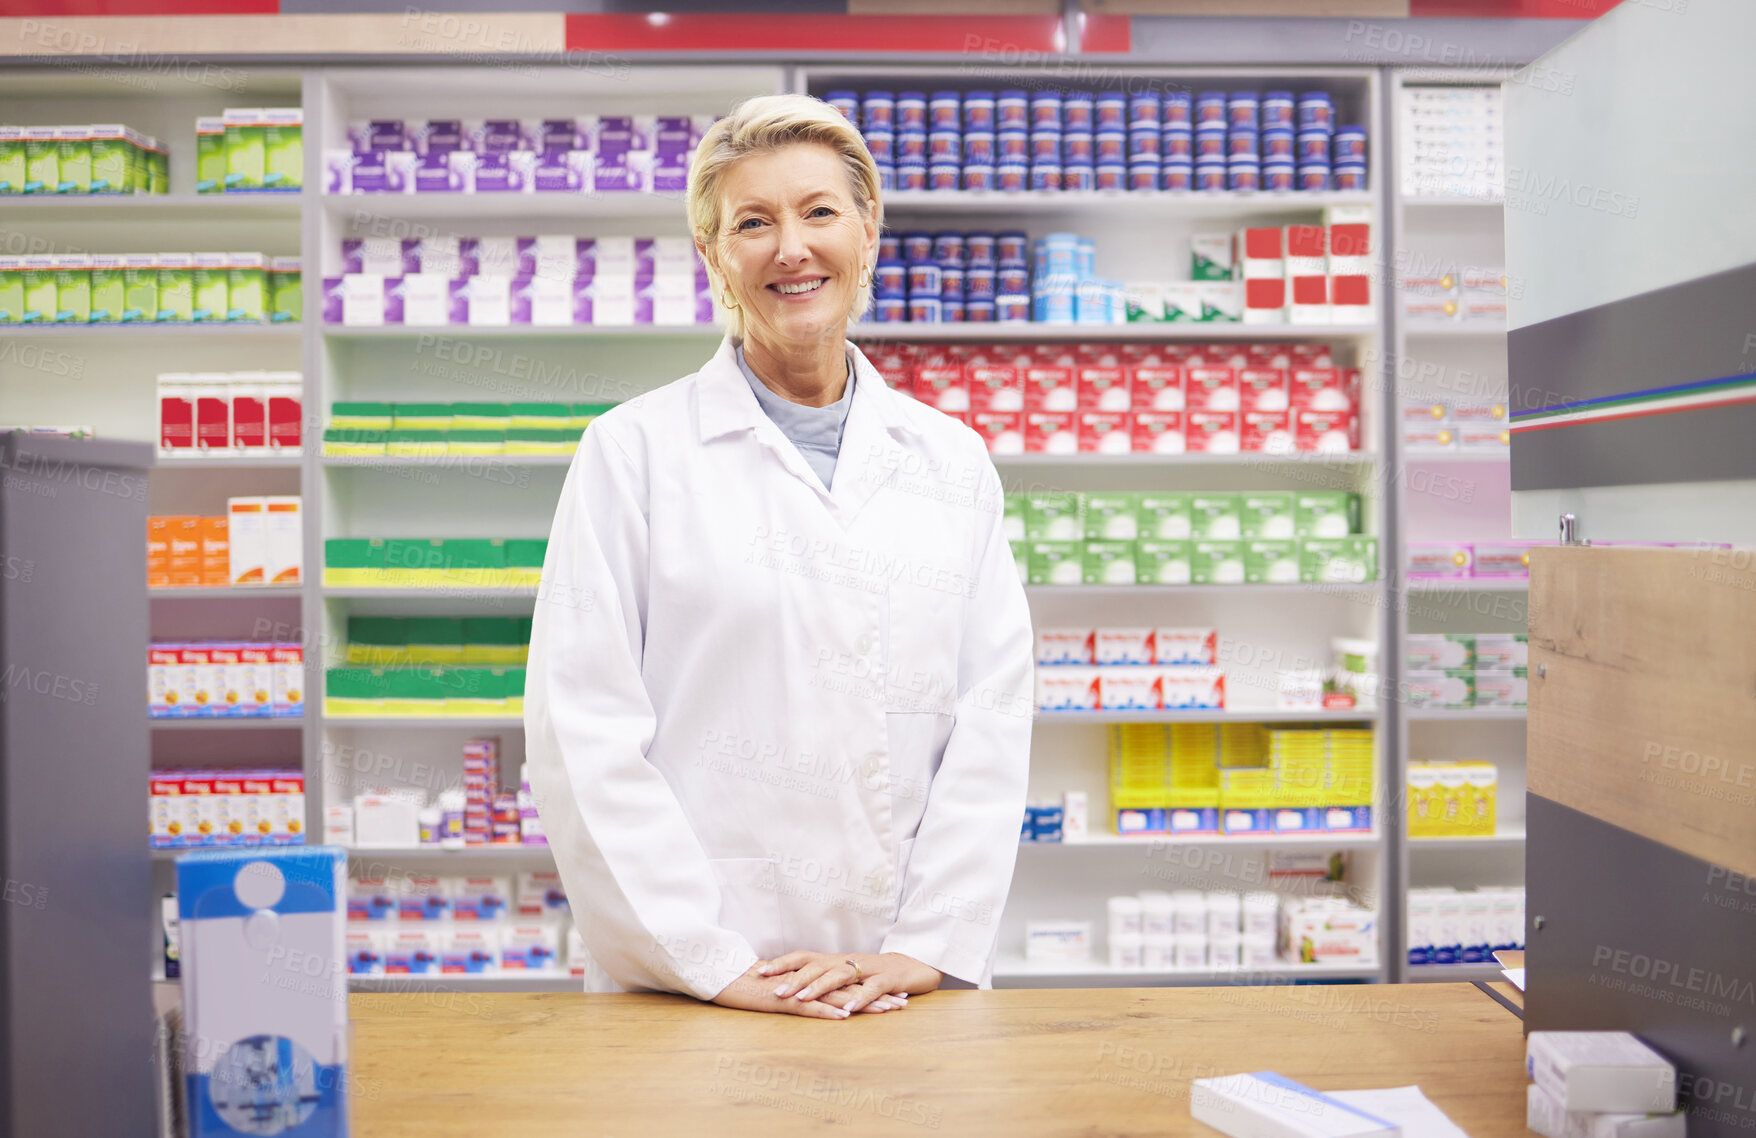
(1011, 1062)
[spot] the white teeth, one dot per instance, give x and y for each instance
(791, 289)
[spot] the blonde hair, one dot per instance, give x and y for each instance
(769, 122)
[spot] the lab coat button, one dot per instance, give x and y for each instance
(874, 762)
(864, 644)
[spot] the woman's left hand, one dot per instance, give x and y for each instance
(815, 973)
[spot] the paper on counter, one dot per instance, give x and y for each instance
(1407, 1107)
(1516, 975)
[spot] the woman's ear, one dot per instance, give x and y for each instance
(871, 233)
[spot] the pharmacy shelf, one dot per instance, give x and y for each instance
(369, 208)
(1500, 457)
(1467, 585)
(1084, 592)
(231, 462)
(1455, 332)
(1108, 840)
(1454, 973)
(226, 593)
(156, 331)
(517, 331)
(519, 853)
(1157, 204)
(460, 722)
(237, 723)
(156, 209)
(1454, 201)
(464, 462)
(1474, 714)
(1031, 331)
(1013, 971)
(1142, 458)
(1025, 331)
(1074, 718)
(500, 982)
(439, 592)
(1507, 837)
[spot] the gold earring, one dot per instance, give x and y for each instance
(726, 300)
(865, 276)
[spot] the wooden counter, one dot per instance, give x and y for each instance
(1013, 1062)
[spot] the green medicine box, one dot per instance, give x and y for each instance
(481, 416)
(73, 160)
(1216, 517)
(376, 640)
(353, 561)
(1109, 563)
(540, 416)
(286, 298)
(246, 149)
(246, 288)
(41, 299)
(11, 290)
(582, 415)
(1326, 513)
(140, 288)
(112, 160)
(353, 691)
(362, 416)
(1012, 517)
(1159, 562)
(208, 288)
(494, 640)
(158, 163)
(422, 417)
(414, 691)
(176, 288)
(1112, 517)
(283, 149)
(1271, 561)
(1053, 517)
(475, 691)
(1266, 515)
(1056, 562)
(1164, 516)
(1216, 563)
(1451, 689)
(435, 640)
(1338, 560)
(210, 155)
(108, 288)
(42, 159)
(12, 160)
(73, 289)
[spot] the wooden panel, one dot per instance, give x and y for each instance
(1646, 718)
(1311, 9)
(138, 40)
(967, 1063)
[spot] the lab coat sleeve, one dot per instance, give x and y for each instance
(961, 865)
(637, 877)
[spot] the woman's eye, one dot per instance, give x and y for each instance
(823, 211)
(749, 222)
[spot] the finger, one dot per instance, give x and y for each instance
(786, 963)
(862, 995)
(815, 1009)
(831, 978)
(802, 976)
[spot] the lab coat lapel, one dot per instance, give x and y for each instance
(728, 405)
(870, 455)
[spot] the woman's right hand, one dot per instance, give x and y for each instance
(753, 992)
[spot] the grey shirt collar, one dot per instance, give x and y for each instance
(815, 431)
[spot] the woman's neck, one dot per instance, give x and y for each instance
(814, 374)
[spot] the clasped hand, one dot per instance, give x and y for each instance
(822, 985)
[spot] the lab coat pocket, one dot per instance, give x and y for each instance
(749, 890)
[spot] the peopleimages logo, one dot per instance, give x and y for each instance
(1658, 971)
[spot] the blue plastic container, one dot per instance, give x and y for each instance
(1242, 110)
(878, 110)
(911, 176)
(882, 145)
(1350, 177)
(1349, 145)
(911, 146)
(1144, 110)
(889, 279)
(1176, 176)
(951, 282)
(1143, 142)
(1278, 142)
(1177, 109)
(945, 111)
(1012, 111)
(1014, 145)
(924, 279)
(923, 310)
(1045, 110)
(1176, 142)
(944, 176)
(1111, 176)
(978, 177)
(1210, 141)
(911, 111)
(1314, 177)
(978, 282)
(1078, 109)
(1110, 111)
(1078, 176)
(1012, 176)
(1210, 108)
(978, 111)
(978, 248)
(1316, 111)
(978, 148)
(1045, 176)
(847, 103)
(1277, 110)
(917, 248)
(1045, 146)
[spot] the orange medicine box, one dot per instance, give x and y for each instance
(184, 561)
(216, 551)
(158, 552)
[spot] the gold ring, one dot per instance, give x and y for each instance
(859, 977)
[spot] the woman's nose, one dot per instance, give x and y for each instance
(791, 246)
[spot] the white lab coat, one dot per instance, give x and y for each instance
(761, 716)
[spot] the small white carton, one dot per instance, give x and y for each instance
(1601, 1071)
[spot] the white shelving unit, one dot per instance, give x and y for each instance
(1458, 496)
(1138, 236)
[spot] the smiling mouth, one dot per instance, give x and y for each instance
(799, 289)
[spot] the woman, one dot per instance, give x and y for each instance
(779, 695)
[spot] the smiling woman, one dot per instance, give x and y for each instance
(779, 696)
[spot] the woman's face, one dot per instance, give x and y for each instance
(791, 245)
